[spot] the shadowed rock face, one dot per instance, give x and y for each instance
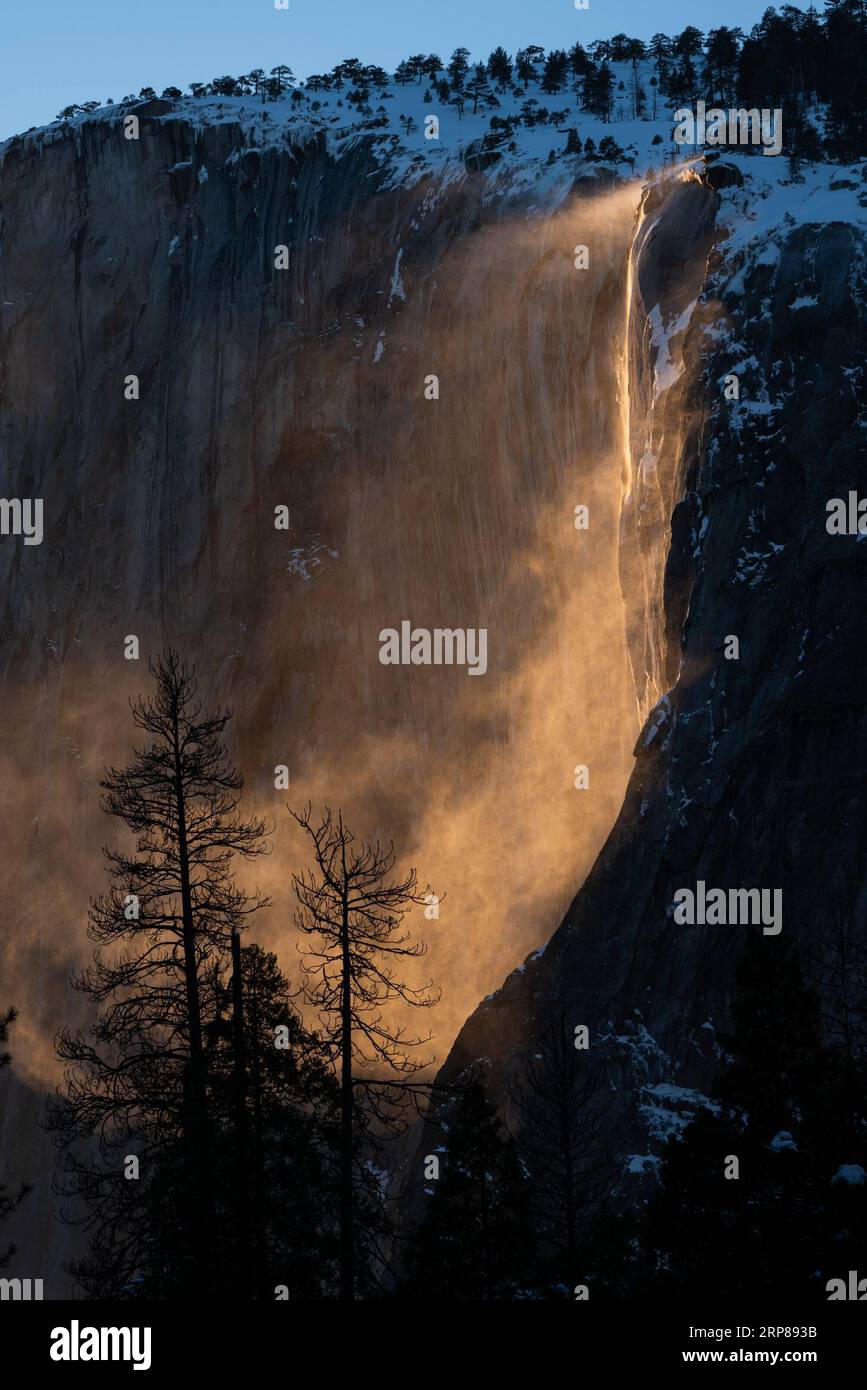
(303, 388)
(748, 772)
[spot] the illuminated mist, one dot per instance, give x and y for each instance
(456, 513)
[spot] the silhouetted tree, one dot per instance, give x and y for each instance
(224, 87)
(794, 1215)
(573, 141)
(8, 1201)
(283, 76)
(579, 65)
(432, 66)
(500, 68)
(477, 87)
(276, 1121)
(475, 1242)
(599, 92)
(609, 149)
(354, 911)
(458, 67)
(525, 69)
(163, 934)
(560, 1100)
(555, 71)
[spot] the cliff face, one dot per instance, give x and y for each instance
(431, 387)
(310, 388)
(749, 771)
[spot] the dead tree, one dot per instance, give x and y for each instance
(354, 912)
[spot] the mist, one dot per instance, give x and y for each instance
(454, 512)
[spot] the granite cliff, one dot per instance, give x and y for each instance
(311, 388)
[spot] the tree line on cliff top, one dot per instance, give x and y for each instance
(799, 61)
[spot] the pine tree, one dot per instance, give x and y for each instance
(432, 66)
(163, 934)
(283, 76)
(524, 67)
(555, 71)
(500, 68)
(377, 77)
(609, 149)
(477, 88)
(599, 92)
(474, 1243)
(790, 1219)
(276, 1110)
(560, 1101)
(660, 49)
(459, 66)
(573, 141)
(416, 66)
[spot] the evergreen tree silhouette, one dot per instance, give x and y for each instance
(276, 1138)
(163, 934)
(475, 1242)
(560, 1100)
(9, 1202)
(793, 1217)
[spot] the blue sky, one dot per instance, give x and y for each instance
(54, 52)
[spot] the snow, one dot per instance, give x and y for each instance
(751, 566)
(304, 563)
(782, 1142)
(666, 371)
(397, 291)
(658, 716)
(647, 466)
(851, 1173)
(768, 200)
(639, 1048)
(640, 1163)
(769, 255)
(668, 1109)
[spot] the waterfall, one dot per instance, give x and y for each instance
(665, 268)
